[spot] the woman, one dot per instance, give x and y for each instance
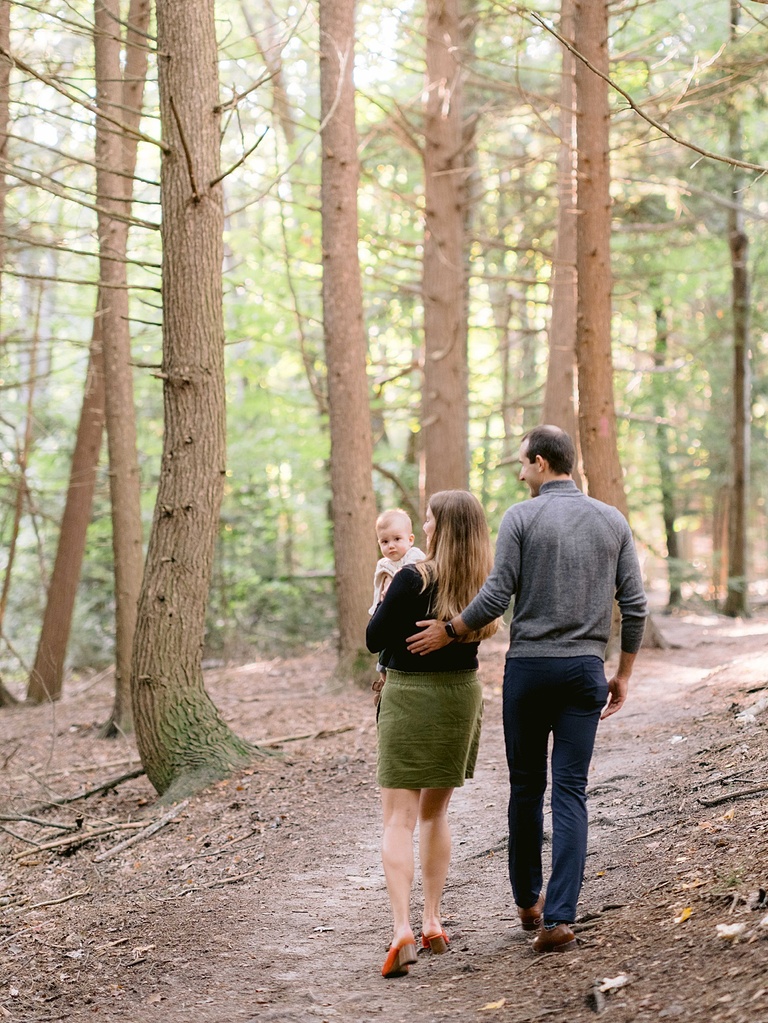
(429, 714)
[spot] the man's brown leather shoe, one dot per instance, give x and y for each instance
(531, 918)
(556, 939)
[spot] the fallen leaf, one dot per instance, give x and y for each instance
(685, 915)
(613, 983)
(730, 932)
(493, 1005)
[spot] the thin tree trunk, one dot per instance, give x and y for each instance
(560, 405)
(666, 475)
(124, 479)
(597, 416)
(7, 699)
(444, 416)
(182, 740)
(737, 597)
(5, 76)
(273, 60)
(353, 502)
(46, 678)
(597, 413)
(24, 447)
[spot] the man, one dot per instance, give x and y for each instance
(564, 556)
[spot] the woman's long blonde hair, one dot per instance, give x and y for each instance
(459, 556)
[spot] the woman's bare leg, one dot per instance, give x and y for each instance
(400, 808)
(434, 852)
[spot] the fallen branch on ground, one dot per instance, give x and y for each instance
(645, 834)
(36, 820)
(58, 902)
(150, 830)
(740, 794)
(218, 883)
(71, 842)
(87, 793)
(322, 734)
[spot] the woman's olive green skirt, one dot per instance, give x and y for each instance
(428, 729)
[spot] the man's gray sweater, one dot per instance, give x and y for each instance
(564, 556)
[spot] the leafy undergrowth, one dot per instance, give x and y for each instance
(262, 898)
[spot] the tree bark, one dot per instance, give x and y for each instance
(124, 479)
(560, 405)
(737, 596)
(597, 413)
(47, 675)
(666, 475)
(46, 678)
(444, 414)
(7, 699)
(353, 502)
(182, 740)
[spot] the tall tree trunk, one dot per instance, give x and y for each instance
(23, 449)
(666, 475)
(46, 678)
(444, 415)
(182, 740)
(124, 479)
(597, 413)
(737, 597)
(7, 699)
(353, 503)
(560, 407)
(47, 675)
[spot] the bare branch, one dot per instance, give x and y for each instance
(53, 84)
(533, 16)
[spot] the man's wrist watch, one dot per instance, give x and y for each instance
(450, 630)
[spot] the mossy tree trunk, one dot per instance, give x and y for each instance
(182, 740)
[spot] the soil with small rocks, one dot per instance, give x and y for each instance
(263, 898)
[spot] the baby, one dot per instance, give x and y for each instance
(395, 536)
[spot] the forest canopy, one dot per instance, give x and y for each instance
(688, 151)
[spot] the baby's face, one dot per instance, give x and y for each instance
(394, 539)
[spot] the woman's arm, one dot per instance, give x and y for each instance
(394, 618)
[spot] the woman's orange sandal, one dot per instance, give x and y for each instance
(399, 958)
(438, 943)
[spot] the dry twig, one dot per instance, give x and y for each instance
(146, 833)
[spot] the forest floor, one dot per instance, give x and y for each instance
(264, 898)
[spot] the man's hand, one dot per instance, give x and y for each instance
(618, 687)
(432, 638)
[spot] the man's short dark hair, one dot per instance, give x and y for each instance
(555, 447)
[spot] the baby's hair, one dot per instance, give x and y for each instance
(392, 513)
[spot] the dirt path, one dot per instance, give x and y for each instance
(266, 899)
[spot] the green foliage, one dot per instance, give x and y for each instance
(273, 587)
